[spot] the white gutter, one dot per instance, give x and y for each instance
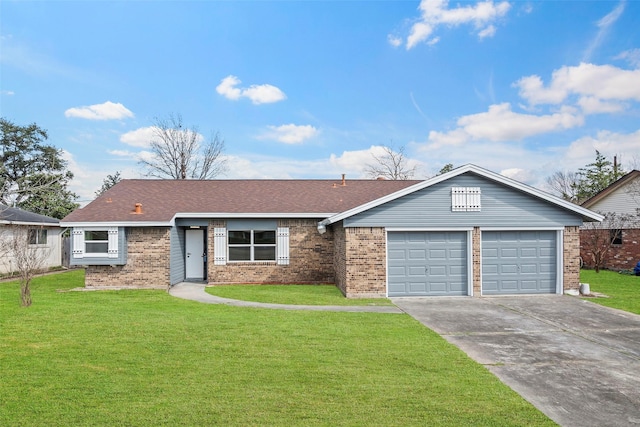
(193, 215)
(37, 224)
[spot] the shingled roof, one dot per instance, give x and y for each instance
(161, 200)
(9, 215)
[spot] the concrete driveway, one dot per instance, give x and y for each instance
(576, 361)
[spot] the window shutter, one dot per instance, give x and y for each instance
(473, 199)
(112, 249)
(219, 246)
(458, 199)
(78, 243)
(282, 245)
(465, 199)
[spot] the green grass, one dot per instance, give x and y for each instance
(623, 290)
(141, 358)
(291, 294)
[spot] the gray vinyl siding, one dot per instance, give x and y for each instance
(176, 263)
(177, 247)
(502, 206)
(621, 202)
(120, 260)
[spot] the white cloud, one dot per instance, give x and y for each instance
(490, 31)
(500, 123)
(394, 41)
(140, 137)
(258, 94)
(227, 88)
(519, 174)
(7, 92)
(143, 137)
(604, 82)
(609, 144)
(351, 163)
(593, 105)
(603, 28)
(290, 134)
(632, 56)
(122, 153)
(106, 111)
(435, 13)
(420, 32)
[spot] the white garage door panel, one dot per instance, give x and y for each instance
(427, 263)
(518, 262)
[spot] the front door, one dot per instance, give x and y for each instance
(194, 263)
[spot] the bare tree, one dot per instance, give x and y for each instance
(597, 239)
(20, 245)
(391, 165)
(179, 152)
(564, 184)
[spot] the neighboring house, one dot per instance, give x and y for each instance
(622, 198)
(42, 231)
(466, 232)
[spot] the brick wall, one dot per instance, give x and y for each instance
(571, 258)
(147, 262)
(364, 274)
(476, 261)
(619, 257)
(310, 258)
(340, 257)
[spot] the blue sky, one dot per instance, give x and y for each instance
(310, 89)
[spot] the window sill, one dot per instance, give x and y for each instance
(253, 262)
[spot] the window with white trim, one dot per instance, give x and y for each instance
(251, 245)
(37, 236)
(465, 199)
(95, 242)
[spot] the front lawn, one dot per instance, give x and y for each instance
(623, 290)
(292, 294)
(141, 358)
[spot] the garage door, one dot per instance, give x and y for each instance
(427, 263)
(518, 262)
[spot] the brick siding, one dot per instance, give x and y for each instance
(147, 262)
(365, 275)
(619, 257)
(476, 254)
(310, 258)
(571, 258)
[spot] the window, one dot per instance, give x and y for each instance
(616, 236)
(37, 236)
(465, 199)
(96, 242)
(252, 245)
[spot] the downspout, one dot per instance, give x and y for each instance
(322, 226)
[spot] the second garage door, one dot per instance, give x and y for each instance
(422, 263)
(518, 262)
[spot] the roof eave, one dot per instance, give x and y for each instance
(611, 188)
(31, 223)
(194, 215)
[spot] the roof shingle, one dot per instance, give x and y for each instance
(162, 199)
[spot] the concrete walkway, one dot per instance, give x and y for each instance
(576, 361)
(196, 292)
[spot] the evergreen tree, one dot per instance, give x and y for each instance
(33, 175)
